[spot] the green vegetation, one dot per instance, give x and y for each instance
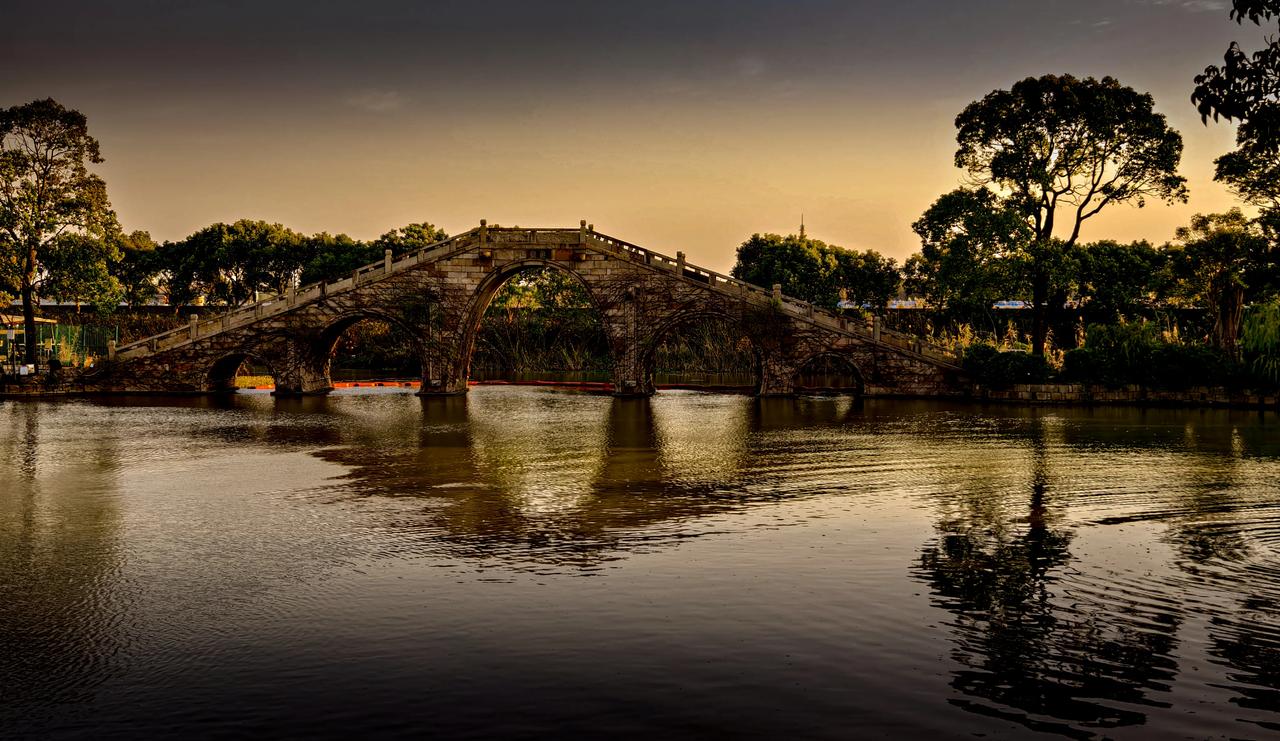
(817, 272)
(1261, 342)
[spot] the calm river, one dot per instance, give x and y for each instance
(536, 563)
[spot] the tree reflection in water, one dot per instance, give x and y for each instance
(59, 548)
(1033, 649)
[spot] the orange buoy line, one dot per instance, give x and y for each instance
(571, 385)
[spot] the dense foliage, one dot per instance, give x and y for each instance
(817, 272)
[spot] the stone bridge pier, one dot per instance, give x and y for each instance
(438, 296)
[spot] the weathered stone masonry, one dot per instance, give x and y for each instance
(440, 294)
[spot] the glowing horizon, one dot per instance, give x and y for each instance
(677, 126)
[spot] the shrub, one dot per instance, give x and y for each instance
(1122, 354)
(1178, 367)
(990, 367)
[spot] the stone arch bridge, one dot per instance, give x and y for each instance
(440, 293)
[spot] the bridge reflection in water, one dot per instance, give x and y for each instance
(926, 567)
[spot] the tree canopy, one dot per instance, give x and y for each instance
(56, 223)
(814, 271)
(1224, 261)
(1246, 88)
(1061, 149)
(973, 253)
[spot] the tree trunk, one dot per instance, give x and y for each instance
(1039, 312)
(29, 308)
(1226, 322)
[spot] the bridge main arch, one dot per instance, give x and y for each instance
(489, 287)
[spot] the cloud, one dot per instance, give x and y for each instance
(376, 101)
(1192, 6)
(750, 66)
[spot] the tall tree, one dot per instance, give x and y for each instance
(1224, 261)
(51, 205)
(1062, 149)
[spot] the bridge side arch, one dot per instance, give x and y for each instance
(219, 375)
(322, 347)
(830, 371)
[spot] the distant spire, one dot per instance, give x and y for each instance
(802, 225)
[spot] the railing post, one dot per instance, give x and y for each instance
(355, 277)
(111, 349)
(291, 296)
(679, 263)
(876, 324)
(484, 231)
(386, 262)
(582, 232)
(777, 291)
(194, 320)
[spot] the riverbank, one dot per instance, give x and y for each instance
(1047, 394)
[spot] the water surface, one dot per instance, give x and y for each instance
(528, 563)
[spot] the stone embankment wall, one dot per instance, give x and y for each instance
(1075, 393)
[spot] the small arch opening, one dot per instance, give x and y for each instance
(829, 373)
(236, 371)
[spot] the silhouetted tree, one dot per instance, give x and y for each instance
(1058, 142)
(1246, 88)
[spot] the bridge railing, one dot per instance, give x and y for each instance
(278, 303)
(793, 306)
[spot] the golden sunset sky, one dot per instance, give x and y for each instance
(676, 125)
